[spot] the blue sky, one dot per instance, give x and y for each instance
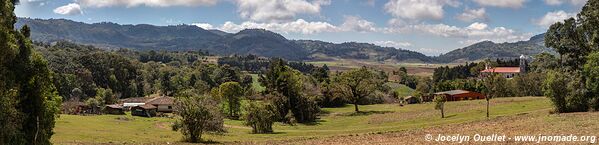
(431, 27)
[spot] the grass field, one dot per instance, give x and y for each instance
(114, 129)
(420, 69)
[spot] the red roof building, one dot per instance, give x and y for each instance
(507, 72)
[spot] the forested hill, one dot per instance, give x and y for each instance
(488, 49)
(187, 37)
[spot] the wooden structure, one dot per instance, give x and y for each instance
(115, 109)
(459, 95)
(411, 100)
(144, 110)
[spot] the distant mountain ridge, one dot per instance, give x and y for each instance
(188, 37)
(253, 41)
(488, 49)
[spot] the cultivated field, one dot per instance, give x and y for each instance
(420, 69)
(387, 123)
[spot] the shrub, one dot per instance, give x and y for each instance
(197, 115)
(260, 117)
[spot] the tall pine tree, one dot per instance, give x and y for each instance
(28, 100)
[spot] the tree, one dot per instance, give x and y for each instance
(403, 69)
(575, 39)
(29, 102)
(286, 88)
(591, 70)
(231, 92)
(197, 115)
(496, 86)
(440, 104)
(356, 84)
(106, 96)
(543, 62)
(555, 90)
(260, 117)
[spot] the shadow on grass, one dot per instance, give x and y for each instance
(365, 113)
(449, 116)
(317, 122)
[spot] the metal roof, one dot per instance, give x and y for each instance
(502, 70)
(453, 92)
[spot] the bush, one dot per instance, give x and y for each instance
(197, 115)
(260, 117)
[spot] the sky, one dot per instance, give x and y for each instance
(432, 27)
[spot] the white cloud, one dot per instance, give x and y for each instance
(559, 2)
(478, 26)
(553, 2)
(395, 44)
(470, 15)
(553, 17)
(151, 3)
(69, 9)
(501, 3)
(205, 26)
(277, 10)
(353, 23)
(298, 26)
(418, 9)
(474, 32)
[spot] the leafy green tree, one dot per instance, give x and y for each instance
(231, 93)
(356, 84)
(530, 84)
(29, 102)
(260, 117)
(286, 86)
(226, 74)
(575, 39)
(543, 62)
(496, 86)
(106, 96)
(197, 115)
(591, 70)
(555, 89)
(440, 104)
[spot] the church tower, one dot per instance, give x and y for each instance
(523, 63)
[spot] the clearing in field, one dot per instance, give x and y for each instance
(114, 129)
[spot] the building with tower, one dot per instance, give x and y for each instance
(507, 72)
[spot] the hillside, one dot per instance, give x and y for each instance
(256, 41)
(187, 37)
(488, 49)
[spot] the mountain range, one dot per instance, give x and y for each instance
(254, 41)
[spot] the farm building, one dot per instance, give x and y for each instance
(459, 95)
(115, 109)
(411, 100)
(144, 110)
(163, 104)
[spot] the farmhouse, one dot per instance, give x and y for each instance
(163, 104)
(144, 110)
(458, 95)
